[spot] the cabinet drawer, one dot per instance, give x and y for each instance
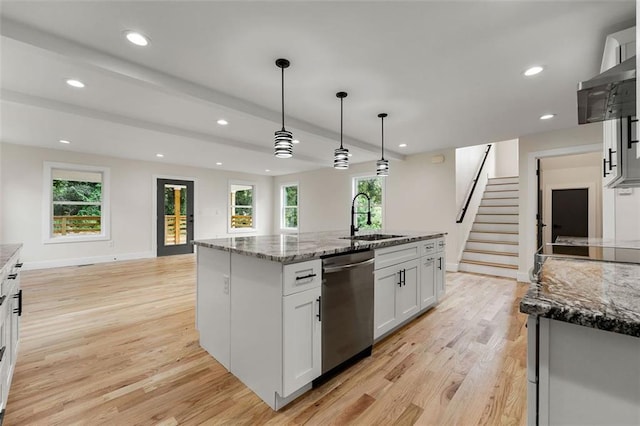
(301, 276)
(428, 247)
(440, 244)
(396, 254)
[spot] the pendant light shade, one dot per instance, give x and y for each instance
(283, 138)
(341, 155)
(382, 165)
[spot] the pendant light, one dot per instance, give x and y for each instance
(382, 165)
(283, 138)
(341, 155)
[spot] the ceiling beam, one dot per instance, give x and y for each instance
(50, 104)
(175, 85)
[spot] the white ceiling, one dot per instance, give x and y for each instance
(449, 74)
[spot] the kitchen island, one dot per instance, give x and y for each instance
(583, 353)
(258, 300)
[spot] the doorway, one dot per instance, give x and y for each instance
(174, 216)
(570, 218)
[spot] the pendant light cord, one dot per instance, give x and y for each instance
(341, 99)
(282, 98)
(382, 118)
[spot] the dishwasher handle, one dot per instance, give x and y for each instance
(330, 269)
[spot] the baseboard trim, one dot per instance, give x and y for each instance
(522, 277)
(58, 263)
(452, 267)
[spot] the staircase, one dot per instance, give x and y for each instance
(492, 247)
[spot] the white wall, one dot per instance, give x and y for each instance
(1, 197)
(419, 195)
(506, 158)
(132, 212)
(575, 140)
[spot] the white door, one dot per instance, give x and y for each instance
(385, 316)
(427, 282)
(301, 339)
(408, 297)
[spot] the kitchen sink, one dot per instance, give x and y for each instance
(372, 237)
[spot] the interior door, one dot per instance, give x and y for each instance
(570, 217)
(539, 223)
(174, 216)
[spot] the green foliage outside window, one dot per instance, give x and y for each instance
(290, 199)
(170, 201)
(372, 186)
(74, 191)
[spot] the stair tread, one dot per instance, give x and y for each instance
(505, 177)
(495, 265)
(497, 214)
(500, 198)
(501, 190)
(498, 232)
(500, 205)
(497, 223)
(512, 243)
(495, 253)
(502, 183)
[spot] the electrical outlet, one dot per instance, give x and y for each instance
(226, 284)
(625, 191)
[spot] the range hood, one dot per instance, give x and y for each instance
(609, 95)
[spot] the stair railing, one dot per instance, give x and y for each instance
(473, 187)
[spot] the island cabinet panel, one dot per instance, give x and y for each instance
(408, 292)
(302, 339)
(10, 312)
(441, 283)
(385, 310)
(213, 303)
(427, 282)
(256, 325)
(587, 376)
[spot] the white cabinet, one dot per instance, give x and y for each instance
(10, 312)
(301, 339)
(396, 296)
(428, 295)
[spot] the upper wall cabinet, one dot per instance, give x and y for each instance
(621, 156)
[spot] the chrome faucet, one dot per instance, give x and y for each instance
(354, 229)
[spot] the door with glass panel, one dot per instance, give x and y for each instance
(175, 216)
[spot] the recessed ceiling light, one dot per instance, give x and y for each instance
(64, 141)
(159, 155)
(533, 71)
(223, 122)
(547, 116)
(137, 38)
(75, 83)
(403, 145)
(218, 164)
(267, 170)
(295, 141)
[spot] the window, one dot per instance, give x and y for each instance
(76, 203)
(289, 206)
(373, 186)
(241, 206)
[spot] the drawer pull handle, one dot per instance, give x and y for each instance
(2, 352)
(18, 265)
(319, 314)
(12, 276)
(304, 277)
(2, 300)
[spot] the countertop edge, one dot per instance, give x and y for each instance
(364, 245)
(7, 251)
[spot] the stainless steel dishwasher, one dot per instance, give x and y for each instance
(346, 309)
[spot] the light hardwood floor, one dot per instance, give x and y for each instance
(116, 344)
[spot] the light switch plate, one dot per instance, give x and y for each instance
(625, 191)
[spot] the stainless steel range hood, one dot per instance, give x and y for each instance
(609, 95)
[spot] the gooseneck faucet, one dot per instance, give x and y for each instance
(354, 229)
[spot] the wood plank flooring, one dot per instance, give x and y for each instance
(116, 344)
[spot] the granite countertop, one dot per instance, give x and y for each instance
(6, 253)
(597, 242)
(291, 248)
(602, 295)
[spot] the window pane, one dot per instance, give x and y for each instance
(373, 188)
(242, 217)
(76, 219)
(242, 195)
(290, 217)
(291, 195)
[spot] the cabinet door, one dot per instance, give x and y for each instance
(385, 314)
(441, 286)
(427, 282)
(408, 298)
(301, 339)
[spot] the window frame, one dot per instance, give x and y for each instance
(254, 228)
(283, 207)
(354, 186)
(105, 204)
